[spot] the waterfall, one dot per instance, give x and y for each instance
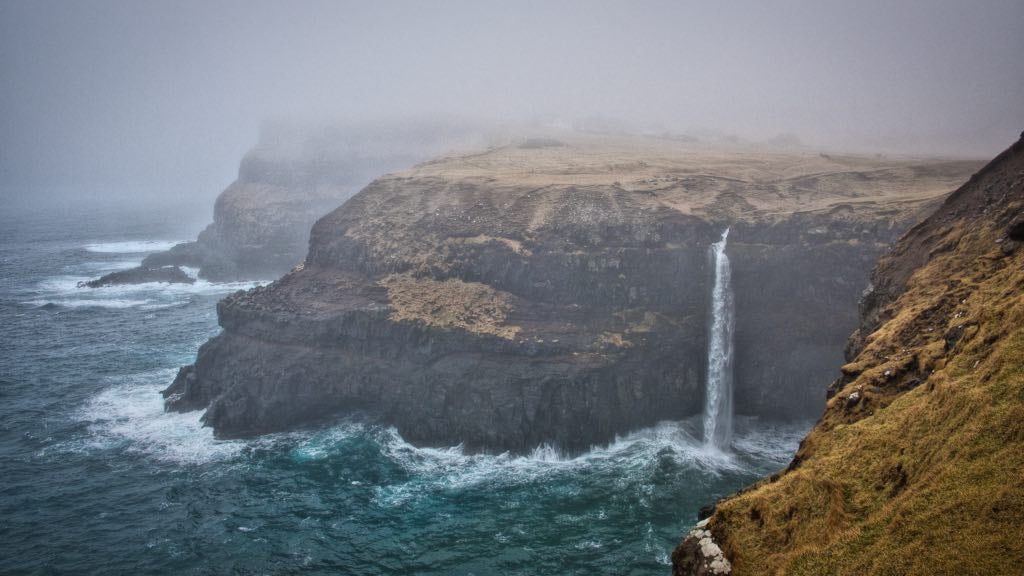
(718, 402)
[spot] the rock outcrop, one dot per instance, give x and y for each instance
(141, 275)
(295, 175)
(559, 292)
(915, 466)
(699, 555)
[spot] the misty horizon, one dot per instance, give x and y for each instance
(140, 100)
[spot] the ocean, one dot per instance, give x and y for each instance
(98, 479)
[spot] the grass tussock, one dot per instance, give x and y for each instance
(451, 303)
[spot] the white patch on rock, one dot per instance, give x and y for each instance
(709, 549)
(720, 566)
(711, 553)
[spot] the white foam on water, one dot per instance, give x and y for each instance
(168, 290)
(101, 267)
(773, 443)
(199, 287)
(62, 285)
(631, 455)
(663, 557)
(548, 453)
(65, 291)
(130, 415)
(84, 303)
(67, 285)
(323, 443)
(161, 306)
(132, 246)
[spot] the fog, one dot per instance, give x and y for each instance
(145, 100)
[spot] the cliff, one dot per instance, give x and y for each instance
(916, 466)
(558, 292)
(291, 178)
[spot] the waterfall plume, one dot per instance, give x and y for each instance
(718, 394)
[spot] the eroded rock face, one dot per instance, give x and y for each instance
(261, 222)
(559, 294)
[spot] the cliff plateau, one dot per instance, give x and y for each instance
(917, 465)
(557, 292)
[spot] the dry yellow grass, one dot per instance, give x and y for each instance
(451, 303)
(692, 177)
(515, 199)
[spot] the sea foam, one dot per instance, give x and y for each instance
(630, 456)
(132, 247)
(130, 415)
(66, 291)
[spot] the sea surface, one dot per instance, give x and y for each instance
(95, 478)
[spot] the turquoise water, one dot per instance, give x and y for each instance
(97, 479)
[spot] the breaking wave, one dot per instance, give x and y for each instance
(130, 416)
(132, 247)
(67, 292)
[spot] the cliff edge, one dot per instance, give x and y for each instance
(917, 465)
(557, 292)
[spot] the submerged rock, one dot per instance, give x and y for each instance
(559, 294)
(141, 275)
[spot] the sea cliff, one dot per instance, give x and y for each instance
(557, 292)
(293, 176)
(915, 466)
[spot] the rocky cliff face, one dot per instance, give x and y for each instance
(915, 466)
(558, 293)
(294, 176)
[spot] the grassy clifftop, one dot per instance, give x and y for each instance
(917, 465)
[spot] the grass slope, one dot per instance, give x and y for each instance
(923, 471)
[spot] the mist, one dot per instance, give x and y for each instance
(138, 101)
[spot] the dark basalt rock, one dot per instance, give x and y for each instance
(141, 275)
(556, 294)
(1015, 230)
(705, 512)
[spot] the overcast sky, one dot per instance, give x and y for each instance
(142, 97)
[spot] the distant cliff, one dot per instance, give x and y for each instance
(558, 292)
(917, 465)
(295, 175)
